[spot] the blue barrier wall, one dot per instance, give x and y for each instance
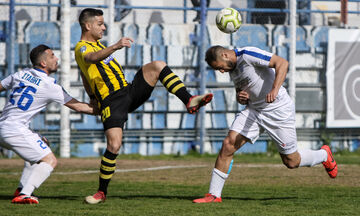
(172, 44)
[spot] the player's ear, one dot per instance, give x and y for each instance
(87, 26)
(42, 63)
(224, 55)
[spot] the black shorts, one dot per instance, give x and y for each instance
(116, 106)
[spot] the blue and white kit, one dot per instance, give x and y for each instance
(31, 90)
(253, 75)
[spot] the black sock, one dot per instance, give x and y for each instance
(174, 85)
(107, 169)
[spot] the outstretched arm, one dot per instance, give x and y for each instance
(95, 57)
(281, 67)
(82, 107)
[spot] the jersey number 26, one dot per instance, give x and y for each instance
(25, 99)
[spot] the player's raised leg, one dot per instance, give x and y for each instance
(158, 70)
(223, 165)
(309, 158)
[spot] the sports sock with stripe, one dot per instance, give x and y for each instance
(174, 85)
(217, 182)
(310, 157)
(107, 169)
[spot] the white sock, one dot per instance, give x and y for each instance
(217, 182)
(310, 158)
(38, 175)
(28, 168)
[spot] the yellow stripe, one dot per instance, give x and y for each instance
(103, 176)
(106, 168)
(108, 160)
(174, 90)
(167, 77)
(172, 82)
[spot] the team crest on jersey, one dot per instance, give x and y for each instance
(108, 59)
(83, 49)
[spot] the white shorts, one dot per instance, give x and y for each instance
(26, 143)
(279, 123)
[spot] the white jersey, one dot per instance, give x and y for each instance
(253, 75)
(31, 90)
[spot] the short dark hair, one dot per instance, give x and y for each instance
(36, 53)
(212, 53)
(88, 13)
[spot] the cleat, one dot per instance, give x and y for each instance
(17, 192)
(209, 198)
(96, 198)
(25, 199)
(330, 164)
(197, 101)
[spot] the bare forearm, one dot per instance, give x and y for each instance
(81, 107)
(281, 67)
(86, 108)
(98, 56)
(95, 57)
(280, 75)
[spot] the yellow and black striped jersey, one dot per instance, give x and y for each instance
(103, 77)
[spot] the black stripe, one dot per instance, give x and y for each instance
(100, 45)
(328, 169)
(92, 45)
(105, 77)
(174, 85)
(117, 64)
(97, 93)
(115, 72)
(171, 78)
(106, 172)
(107, 164)
(102, 72)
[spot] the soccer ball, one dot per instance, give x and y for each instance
(228, 20)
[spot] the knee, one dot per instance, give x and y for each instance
(51, 160)
(158, 65)
(228, 146)
(114, 146)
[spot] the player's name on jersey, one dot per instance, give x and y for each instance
(31, 79)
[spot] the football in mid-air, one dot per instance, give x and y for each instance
(228, 20)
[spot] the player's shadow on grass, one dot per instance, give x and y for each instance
(129, 197)
(10, 197)
(193, 197)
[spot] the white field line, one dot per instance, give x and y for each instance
(154, 169)
(130, 170)
(117, 170)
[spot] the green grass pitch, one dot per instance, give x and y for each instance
(258, 185)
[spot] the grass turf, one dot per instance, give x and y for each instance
(268, 190)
